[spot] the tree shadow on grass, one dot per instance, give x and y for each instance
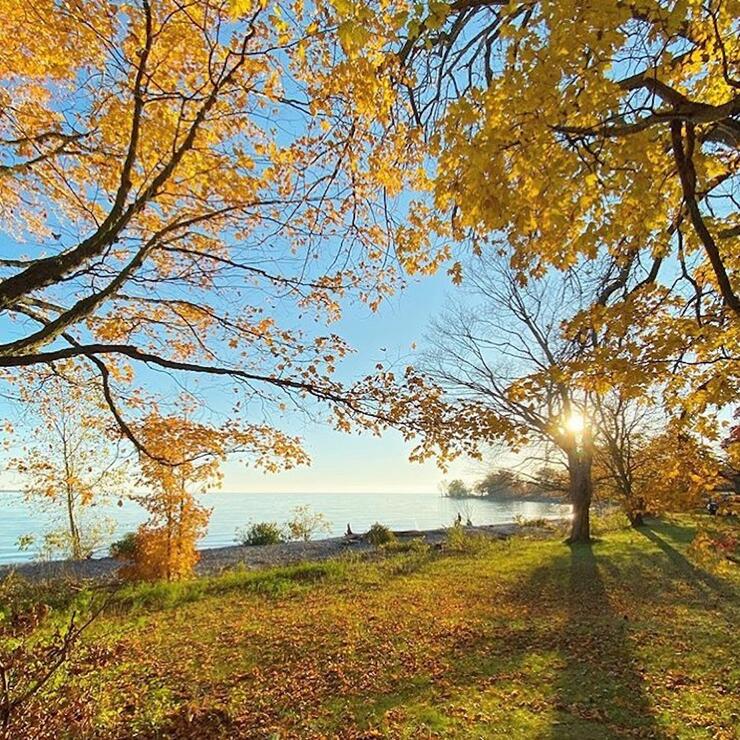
(680, 566)
(600, 689)
(556, 662)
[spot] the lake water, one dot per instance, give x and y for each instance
(234, 510)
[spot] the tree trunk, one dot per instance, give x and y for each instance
(580, 491)
(74, 532)
(636, 511)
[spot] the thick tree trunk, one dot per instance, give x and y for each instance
(581, 490)
(580, 498)
(635, 508)
(636, 512)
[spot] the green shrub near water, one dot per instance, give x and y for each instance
(123, 549)
(379, 535)
(416, 546)
(261, 533)
(458, 540)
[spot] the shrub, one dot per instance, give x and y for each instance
(458, 540)
(36, 658)
(609, 520)
(58, 543)
(166, 552)
(124, 548)
(539, 522)
(716, 547)
(416, 546)
(379, 535)
(261, 533)
(305, 523)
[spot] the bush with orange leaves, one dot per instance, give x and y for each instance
(177, 455)
(168, 551)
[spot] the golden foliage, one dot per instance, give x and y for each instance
(69, 458)
(187, 454)
(564, 133)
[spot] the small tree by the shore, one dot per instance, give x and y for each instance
(70, 460)
(188, 454)
(306, 522)
(184, 456)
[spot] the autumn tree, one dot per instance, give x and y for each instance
(648, 462)
(176, 199)
(676, 471)
(567, 130)
(70, 457)
(571, 132)
(504, 349)
(184, 459)
(731, 445)
(628, 429)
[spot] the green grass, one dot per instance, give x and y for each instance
(518, 639)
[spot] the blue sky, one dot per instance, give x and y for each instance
(350, 462)
(363, 462)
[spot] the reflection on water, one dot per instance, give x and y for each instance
(232, 510)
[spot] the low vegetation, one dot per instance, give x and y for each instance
(379, 535)
(303, 526)
(627, 637)
(306, 524)
(124, 547)
(261, 533)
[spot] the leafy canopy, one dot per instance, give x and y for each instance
(564, 132)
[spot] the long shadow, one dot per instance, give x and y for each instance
(596, 693)
(562, 608)
(600, 685)
(683, 567)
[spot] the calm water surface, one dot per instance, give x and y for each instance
(233, 510)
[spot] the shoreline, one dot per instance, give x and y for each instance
(505, 500)
(214, 560)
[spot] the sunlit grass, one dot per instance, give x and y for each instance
(524, 638)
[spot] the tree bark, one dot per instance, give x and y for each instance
(580, 461)
(74, 532)
(636, 513)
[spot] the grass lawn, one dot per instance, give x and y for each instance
(518, 639)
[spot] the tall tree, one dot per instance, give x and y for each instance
(171, 199)
(626, 429)
(646, 461)
(564, 131)
(506, 352)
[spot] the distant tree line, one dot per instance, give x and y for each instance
(505, 484)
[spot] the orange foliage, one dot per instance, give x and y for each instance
(169, 217)
(169, 551)
(187, 453)
(677, 470)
